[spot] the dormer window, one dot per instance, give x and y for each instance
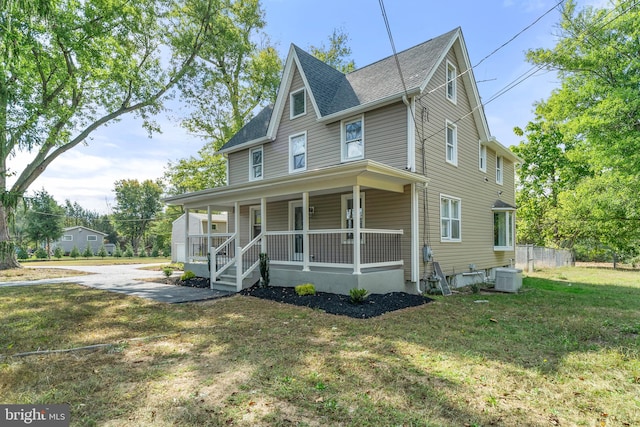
(451, 82)
(298, 103)
(353, 139)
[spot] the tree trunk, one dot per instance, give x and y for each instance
(7, 247)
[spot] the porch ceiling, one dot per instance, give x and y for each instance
(365, 173)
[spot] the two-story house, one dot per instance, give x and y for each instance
(364, 180)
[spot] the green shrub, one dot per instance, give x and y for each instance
(57, 252)
(187, 275)
(88, 252)
(142, 253)
(305, 289)
(264, 269)
(22, 254)
(167, 271)
(128, 251)
(117, 253)
(75, 253)
(102, 252)
(155, 252)
(166, 251)
(41, 253)
(358, 295)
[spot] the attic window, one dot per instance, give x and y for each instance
(352, 139)
(451, 82)
(298, 103)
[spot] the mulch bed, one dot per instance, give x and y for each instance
(374, 305)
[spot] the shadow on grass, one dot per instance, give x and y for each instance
(245, 361)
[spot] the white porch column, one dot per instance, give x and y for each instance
(415, 231)
(186, 235)
(263, 229)
(236, 216)
(356, 229)
(305, 231)
(209, 237)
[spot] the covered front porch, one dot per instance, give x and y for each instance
(344, 227)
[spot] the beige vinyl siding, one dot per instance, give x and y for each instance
(385, 137)
(238, 167)
(464, 181)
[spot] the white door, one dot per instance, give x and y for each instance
(296, 219)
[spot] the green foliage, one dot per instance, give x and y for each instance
(578, 183)
(41, 253)
(305, 289)
(128, 251)
(142, 253)
(337, 53)
(264, 269)
(166, 251)
(102, 252)
(136, 207)
(167, 271)
(88, 252)
(43, 219)
(75, 253)
(155, 252)
(89, 63)
(58, 253)
(22, 254)
(117, 253)
(358, 295)
(187, 275)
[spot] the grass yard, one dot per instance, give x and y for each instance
(563, 352)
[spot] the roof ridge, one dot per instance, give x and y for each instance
(448, 33)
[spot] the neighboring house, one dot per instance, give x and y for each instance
(197, 230)
(364, 180)
(80, 237)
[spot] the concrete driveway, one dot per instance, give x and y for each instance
(126, 279)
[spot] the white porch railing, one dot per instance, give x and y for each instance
(324, 248)
(198, 245)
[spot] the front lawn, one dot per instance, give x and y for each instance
(565, 351)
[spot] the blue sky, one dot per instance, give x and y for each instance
(87, 173)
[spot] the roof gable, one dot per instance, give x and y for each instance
(79, 228)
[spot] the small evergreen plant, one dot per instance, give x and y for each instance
(75, 253)
(358, 295)
(305, 289)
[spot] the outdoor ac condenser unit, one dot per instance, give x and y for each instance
(508, 279)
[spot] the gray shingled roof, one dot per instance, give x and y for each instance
(256, 128)
(334, 91)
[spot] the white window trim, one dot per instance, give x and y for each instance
(67, 238)
(226, 169)
(343, 220)
(482, 158)
(451, 125)
(454, 96)
(252, 176)
(291, 106)
(306, 149)
(511, 237)
(252, 224)
(499, 170)
(95, 238)
(450, 239)
(343, 138)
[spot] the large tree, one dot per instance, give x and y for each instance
(137, 205)
(235, 75)
(43, 219)
(582, 153)
(68, 67)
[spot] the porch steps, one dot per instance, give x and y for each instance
(224, 286)
(227, 282)
(444, 285)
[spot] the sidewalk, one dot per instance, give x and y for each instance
(125, 279)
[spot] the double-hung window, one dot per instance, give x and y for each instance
(451, 82)
(298, 152)
(499, 169)
(450, 221)
(348, 214)
(92, 238)
(256, 159)
(67, 238)
(503, 221)
(255, 216)
(298, 101)
(353, 139)
(483, 158)
(452, 143)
